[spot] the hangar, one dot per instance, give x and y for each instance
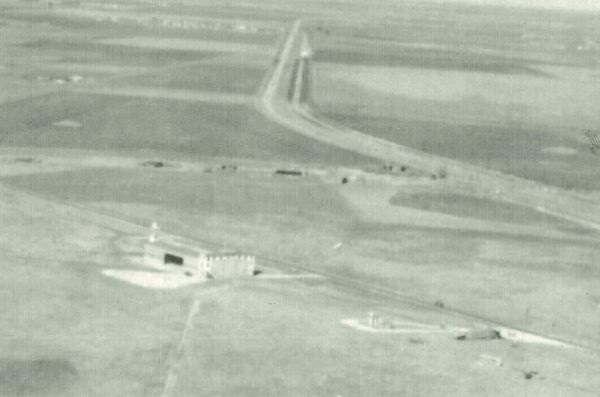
(185, 256)
(228, 265)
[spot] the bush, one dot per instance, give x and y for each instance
(442, 173)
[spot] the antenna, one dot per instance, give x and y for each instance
(154, 228)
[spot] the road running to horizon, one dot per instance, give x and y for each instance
(300, 118)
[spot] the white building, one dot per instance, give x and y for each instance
(184, 256)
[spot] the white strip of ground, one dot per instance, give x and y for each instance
(161, 93)
(509, 334)
(172, 374)
(175, 359)
(288, 276)
(406, 328)
(153, 280)
(188, 44)
(516, 336)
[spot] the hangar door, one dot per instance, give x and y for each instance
(171, 259)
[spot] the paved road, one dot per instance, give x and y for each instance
(298, 117)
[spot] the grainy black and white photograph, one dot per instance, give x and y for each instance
(335, 198)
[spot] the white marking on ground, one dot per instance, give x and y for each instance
(489, 360)
(591, 225)
(153, 280)
(560, 150)
(286, 276)
(172, 375)
(74, 67)
(524, 337)
(419, 328)
(67, 124)
(187, 44)
(402, 328)
(162, 93)
(189, 324)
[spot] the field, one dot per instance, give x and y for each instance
(240, 195)
(168, 97)
(460, 204)
(296, 340)
(299, 221)
(160, 128)
(117, 115)
(66, 320)
(526, 96)
(227, 77)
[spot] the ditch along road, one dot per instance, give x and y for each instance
(294, 113)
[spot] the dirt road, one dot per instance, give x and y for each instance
(298, 117)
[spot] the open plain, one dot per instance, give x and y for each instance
(418, 182)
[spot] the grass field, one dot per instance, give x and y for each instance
(120, 55)
(300, 221)
(234, 194)
(254, 337)
(221, 77)
(525, 35)
(459, 122)
(92, 28)
(425, 58)
(239, 328)
(72, 44)
(68, 330)
(309, 353)
(499, 102)
(461, 204)
(508, 90)
(173, 129)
